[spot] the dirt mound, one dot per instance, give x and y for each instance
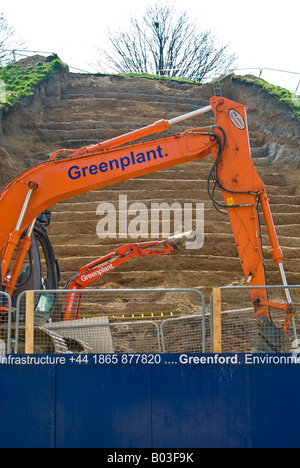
(272, 123)
(72, 110)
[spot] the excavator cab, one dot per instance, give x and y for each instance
(40, 270)
(50, 272)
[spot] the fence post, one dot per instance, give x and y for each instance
(29, 323)
(216, 321)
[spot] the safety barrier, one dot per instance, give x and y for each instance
(140, 321)
(111, 321)
(285, 78)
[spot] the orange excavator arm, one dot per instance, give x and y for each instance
(91, 272)
(55, 180)
(97, 166)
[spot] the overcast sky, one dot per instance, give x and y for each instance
(262, 33)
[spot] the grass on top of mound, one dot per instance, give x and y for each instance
(284, 95)
(17, 81)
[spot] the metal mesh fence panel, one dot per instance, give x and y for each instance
(239, 327)
(107, 321)
(136, 337)
(184, 334)
(143, 321)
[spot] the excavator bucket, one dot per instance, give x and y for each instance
(270, 339)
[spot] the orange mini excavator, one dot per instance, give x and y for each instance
(73, 172)
(92, 271)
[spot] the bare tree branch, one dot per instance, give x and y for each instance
(8, 41)
(165, 42)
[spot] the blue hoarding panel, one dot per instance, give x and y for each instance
(27, 407)
(103, 407)
(275, 403)
(200, 407)
(92, 403)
